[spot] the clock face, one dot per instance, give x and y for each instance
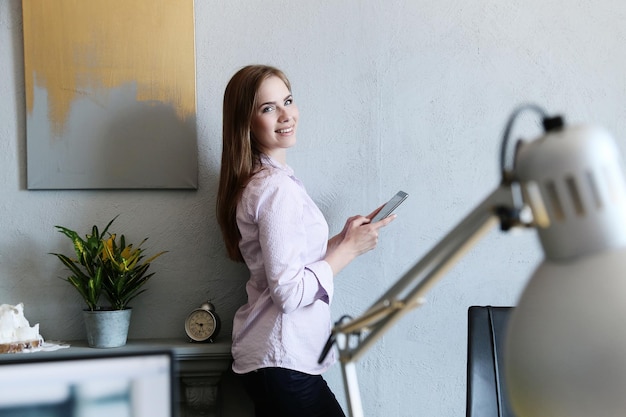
(200, 325)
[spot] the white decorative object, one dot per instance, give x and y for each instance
(16, 334)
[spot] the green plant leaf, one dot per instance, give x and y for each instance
(106, 265)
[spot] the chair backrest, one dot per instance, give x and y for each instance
(486, 392)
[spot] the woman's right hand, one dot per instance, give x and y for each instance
(358, 236)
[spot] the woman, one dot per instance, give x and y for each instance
(269, 222)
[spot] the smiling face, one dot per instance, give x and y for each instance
(275, 118)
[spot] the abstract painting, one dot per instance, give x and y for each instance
(110, 94)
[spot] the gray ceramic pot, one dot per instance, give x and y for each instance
(107, 328)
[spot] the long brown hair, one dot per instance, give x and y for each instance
(239, 148)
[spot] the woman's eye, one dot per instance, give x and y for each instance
(267, 109)
(288, 101)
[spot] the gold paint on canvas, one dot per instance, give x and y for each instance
(75, 47)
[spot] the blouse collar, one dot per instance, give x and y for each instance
(268, 160)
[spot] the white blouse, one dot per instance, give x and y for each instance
(284, 236)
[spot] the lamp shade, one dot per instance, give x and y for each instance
(566, 345)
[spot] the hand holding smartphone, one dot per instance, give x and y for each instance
(390, 206)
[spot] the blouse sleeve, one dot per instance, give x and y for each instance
(284, 236)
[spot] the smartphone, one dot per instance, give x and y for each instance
(390, 206)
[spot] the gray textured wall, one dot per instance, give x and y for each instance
(408, 95)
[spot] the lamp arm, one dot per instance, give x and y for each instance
(408, 291)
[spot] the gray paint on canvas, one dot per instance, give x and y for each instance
(111, 141)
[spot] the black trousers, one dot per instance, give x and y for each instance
(279, 392)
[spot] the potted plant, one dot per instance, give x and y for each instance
(106, 265)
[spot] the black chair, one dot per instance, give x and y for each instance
(486, 392)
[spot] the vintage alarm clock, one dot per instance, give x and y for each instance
(203, 324)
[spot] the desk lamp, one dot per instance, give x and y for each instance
(565, 353)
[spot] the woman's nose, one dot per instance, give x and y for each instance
(284, 115)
